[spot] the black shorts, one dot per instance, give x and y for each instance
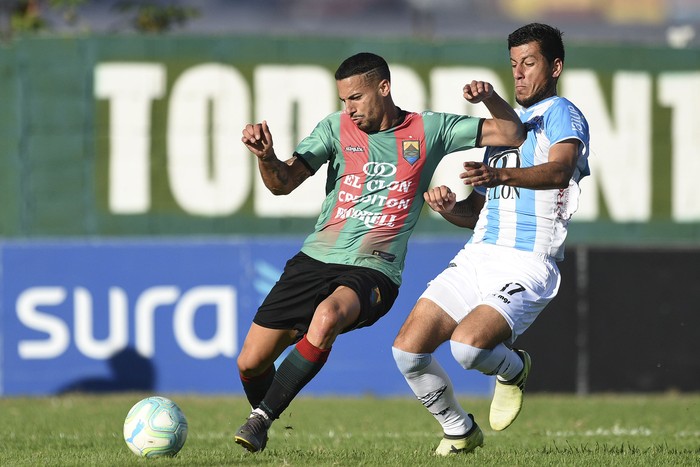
(306, 282)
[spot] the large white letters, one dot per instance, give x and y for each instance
(118, 331)
(146, 306)
(211, 174)
(407, 88)
(292, 99)
(620, 152)
(38, 309)
(208, 181)
(29, 313)
(130, 89)
(224, 341)
(680, 92)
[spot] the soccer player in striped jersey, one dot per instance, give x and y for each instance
(494, 288)
(380, 161)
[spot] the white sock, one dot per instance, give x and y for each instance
(500, 360)
(434, 390)
(515, 366)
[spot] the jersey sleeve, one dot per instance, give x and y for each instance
(565, 121)
(457, 132)
(317, 148)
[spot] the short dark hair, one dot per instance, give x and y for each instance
(548, 37)
(362, 63)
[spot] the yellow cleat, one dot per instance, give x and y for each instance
(508, 396)
(451, 445)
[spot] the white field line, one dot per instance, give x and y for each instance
(616, 430)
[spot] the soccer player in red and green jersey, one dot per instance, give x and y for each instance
(346, 276)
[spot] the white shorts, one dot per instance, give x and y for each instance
(518, 284)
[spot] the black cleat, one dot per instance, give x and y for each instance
(253, 434)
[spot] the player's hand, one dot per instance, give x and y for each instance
(479, 174)
(258, 139)
(440, 199)
(477, 91)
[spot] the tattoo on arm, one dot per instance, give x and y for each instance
(280, 173)
(463, 214)
(275, 175)
(300, 178)
(282, 177)
(464, 209)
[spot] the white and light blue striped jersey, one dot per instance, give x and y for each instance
(526, 219)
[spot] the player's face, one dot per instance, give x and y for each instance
(363, 101)
(535, 78)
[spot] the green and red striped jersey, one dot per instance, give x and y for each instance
(375, 184)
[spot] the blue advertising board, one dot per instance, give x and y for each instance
(171, 315)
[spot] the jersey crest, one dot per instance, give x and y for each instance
(411, 150)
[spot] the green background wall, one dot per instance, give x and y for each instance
(54, 132)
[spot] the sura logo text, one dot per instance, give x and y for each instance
(34, 310)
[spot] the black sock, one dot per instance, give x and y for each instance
(301, 365)
(256, 387)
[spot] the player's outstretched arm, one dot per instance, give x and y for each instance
(279, 177)
(463, 213)
(505, 127)
(553, 174)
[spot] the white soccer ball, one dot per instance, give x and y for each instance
(154, 427)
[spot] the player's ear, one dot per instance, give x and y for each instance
(557, 67)
(384, 87)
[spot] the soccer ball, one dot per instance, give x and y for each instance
(155, 427)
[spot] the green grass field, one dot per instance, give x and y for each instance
(553, 430)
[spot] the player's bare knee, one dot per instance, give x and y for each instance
(243, 367)
(326, 320)
(248, 366)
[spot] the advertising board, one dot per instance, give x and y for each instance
(171, 316)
